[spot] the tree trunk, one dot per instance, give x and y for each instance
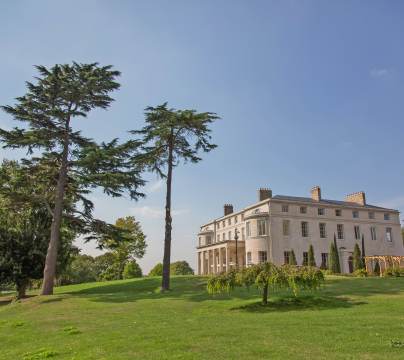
(265, 295)
(165, 283)
(51, 255)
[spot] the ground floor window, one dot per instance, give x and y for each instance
(262, 256)
(305, 258)
(249, 258)
(389, 234)
(373, 233)
(324, 260)
(340, 231)
(286, 257)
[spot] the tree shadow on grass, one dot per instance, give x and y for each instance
(193, 288)
(306, 302)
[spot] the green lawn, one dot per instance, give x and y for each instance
(351, 318)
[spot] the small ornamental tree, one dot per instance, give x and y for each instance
(157, 270)
(311, 259)
(267, 276)
(357, 258)
(181, 268)
(59, 96)
(170, 137)
(292, 260)
(132, 270)
(333, 265)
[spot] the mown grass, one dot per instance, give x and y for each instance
(351, 318)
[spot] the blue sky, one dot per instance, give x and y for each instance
(310, 92)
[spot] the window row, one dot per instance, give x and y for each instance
(230, 221)
(340, 231)
(338, 212)
(262, 257)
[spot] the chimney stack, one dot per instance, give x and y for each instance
(228, 209)
(358, 198)
(264, 193)
(316, 193)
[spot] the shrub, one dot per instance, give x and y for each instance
(157, 270)
(132, 270)
(311, 258)
(360, 273)
(181, 268)
(393, 271)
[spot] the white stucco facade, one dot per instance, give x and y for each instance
(274, 226)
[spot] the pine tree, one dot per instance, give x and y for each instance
(311, 259)
(169, 137)
(357, 258)
(334, 265)
(60, 95)
(292, 260)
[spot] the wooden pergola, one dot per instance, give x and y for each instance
(385, 261)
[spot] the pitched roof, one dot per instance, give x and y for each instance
(327, 202)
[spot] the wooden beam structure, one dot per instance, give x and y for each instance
(385, 262)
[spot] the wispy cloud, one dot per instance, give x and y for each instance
(379, 72)
(156, 186)
(155, 213)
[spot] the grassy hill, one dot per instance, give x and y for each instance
(350, 318)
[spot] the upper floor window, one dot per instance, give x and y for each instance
(200, 241)
(340, 231)
(371, 215)
(218, 237)
(323, 233)
(262, 256)
(303, 210)
(262, 227)
(208, 239)
(229, 235)
(386, 216)
(229, 221)
(286, 227)
(355, 214)
(242, 234)
(305, 229)
(249, 261)
(338, 212)
(224, 236)
(373, 233)
(321, 211)
(218, 225)
(357, 232)
(242, 217)
(235, 219)
(389, 234)
(224, 223)
(285, 208)
(286, 257)
(248, 228)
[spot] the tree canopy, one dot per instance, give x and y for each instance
(169, 138)
(73, 162)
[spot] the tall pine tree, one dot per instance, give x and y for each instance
(292, 260)
(334, 264)
(59, 96)
(357, 258)
(311, 259)
(169, 137)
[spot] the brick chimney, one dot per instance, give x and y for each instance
(228, 209)
(264, 193)
(316, 193)
(358, 198)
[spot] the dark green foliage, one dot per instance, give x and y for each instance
(292, 260)
(267, 276)
(70, 162)
(169, 138)
(157, 270)
(132, 270)
(311, 258)
(376, 269)
(181, 268)
(333, 265)
(25, 231)
(357, 258)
